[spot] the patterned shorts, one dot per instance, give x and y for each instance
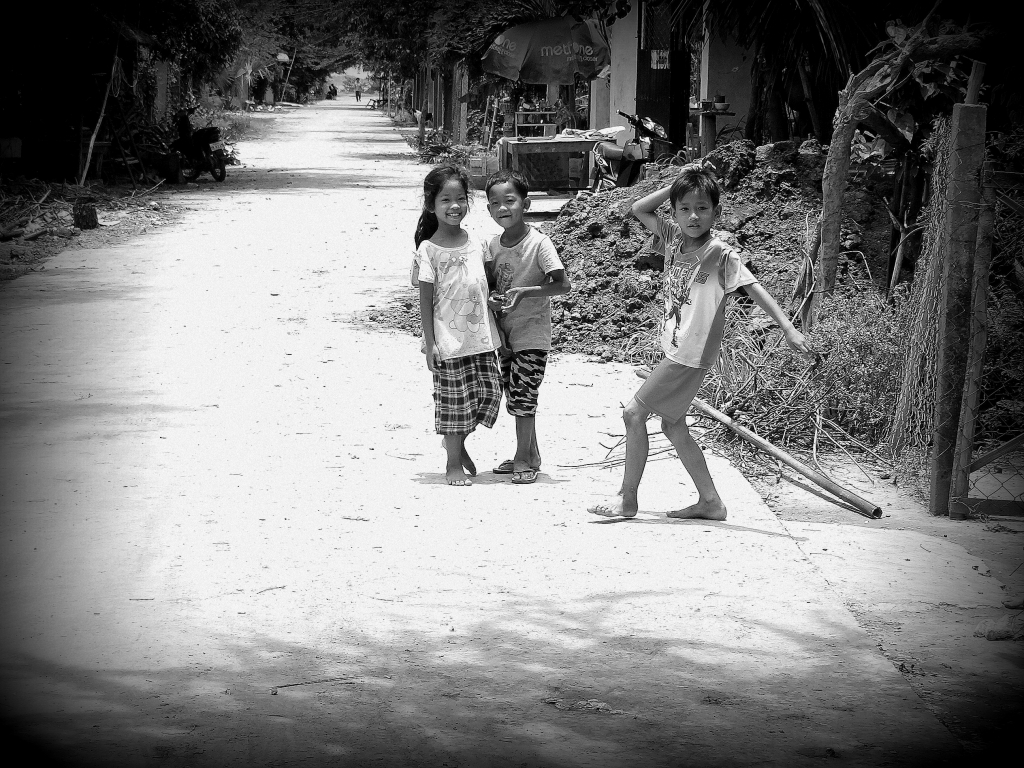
(521, 375)
(467, 392)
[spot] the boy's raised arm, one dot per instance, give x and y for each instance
(645, 208)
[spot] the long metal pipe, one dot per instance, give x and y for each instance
(863, 506)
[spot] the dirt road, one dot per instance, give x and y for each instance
(227, 538)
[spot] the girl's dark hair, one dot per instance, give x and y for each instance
(432, 186)
(695, 178)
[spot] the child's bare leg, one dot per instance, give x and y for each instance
(455, 446)
(625, 504)
(709, 505)
(527, 453)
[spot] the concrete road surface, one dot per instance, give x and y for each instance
(227, 539)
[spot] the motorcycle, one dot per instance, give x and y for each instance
(199, 149)
(616, 166)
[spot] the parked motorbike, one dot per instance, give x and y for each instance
(616, 166)
(200, 149)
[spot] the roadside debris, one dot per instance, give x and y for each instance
(38, 218)
(590, 705)
(1005, 628)
(339, 680)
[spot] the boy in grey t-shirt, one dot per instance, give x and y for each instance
(524, 273)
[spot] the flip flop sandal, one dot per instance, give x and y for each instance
(507, 468)
(525, 477)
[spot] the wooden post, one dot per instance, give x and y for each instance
(958, 240)
(124, 159)
(958, 508)
(461, 108)
(488, 125)
(974, 82)
(708, 133)
(805, 83)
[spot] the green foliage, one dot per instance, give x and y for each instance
(202, 36)
(390, 37)
(475, 119)
(312, 33)
(859, 336)
(853, 384)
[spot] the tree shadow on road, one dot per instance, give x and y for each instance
(531, 681)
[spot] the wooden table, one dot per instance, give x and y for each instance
(527, 156)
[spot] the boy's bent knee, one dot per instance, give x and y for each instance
(635, 413)
(676, 429)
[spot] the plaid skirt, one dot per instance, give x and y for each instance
(467, 392)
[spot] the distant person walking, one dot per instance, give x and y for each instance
(359, 94)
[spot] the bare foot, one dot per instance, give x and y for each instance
(614, 507)
(702, 510)
(467, 463)
(457, 477)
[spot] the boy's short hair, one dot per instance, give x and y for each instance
(694, 178)
(508, 176)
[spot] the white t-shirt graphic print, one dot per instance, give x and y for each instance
(463, 325)
(695, 286)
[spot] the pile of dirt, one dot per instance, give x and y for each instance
(772, 195)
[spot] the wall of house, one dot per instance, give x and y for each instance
(725, 69)
(621, 88)
(600, 101)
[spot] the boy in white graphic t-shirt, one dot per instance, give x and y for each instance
(700, 272)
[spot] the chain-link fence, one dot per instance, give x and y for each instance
(989, 469)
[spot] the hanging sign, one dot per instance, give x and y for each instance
(659, 59)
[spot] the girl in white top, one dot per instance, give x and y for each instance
(459, 335)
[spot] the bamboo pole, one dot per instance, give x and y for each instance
(863, 506)
(96, 130)
(805, 83)
(289, 75)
